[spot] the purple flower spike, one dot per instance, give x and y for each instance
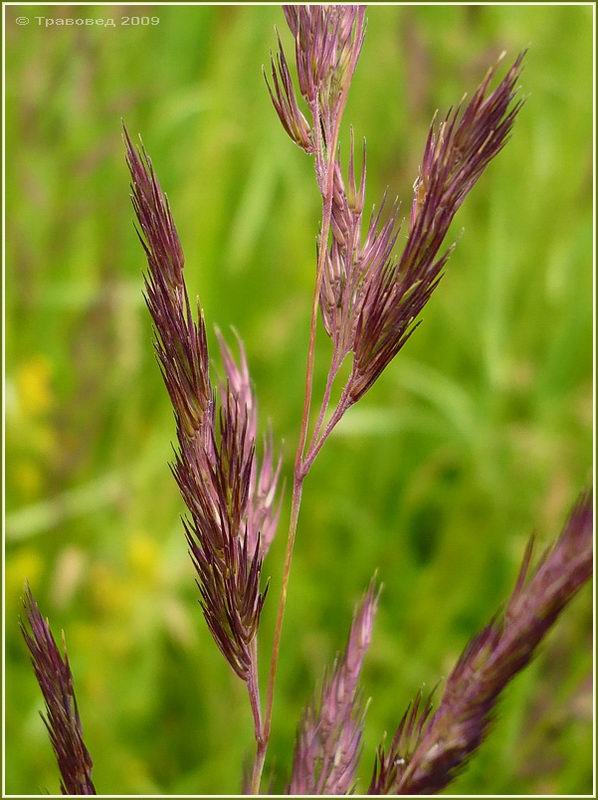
(329, 738)
(53, 673)
(231, 500)
(456, 154)
(438, 747)
(369, 297)
(181, 343)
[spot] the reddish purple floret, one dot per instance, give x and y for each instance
(53, 673)
(329, 739)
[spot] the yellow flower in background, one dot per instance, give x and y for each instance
(34, 386)
(108, 592)
(30, 399)
(144, 556)
(27, 476)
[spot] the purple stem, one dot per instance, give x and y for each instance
(343, 404)
(253, 689)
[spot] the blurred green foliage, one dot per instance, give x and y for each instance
(477, 435)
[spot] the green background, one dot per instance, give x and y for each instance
(478, 434)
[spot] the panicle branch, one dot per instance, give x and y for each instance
(230, 497)
(53, 673)
(329, 737)
(456, 154)
(439, 746)
(369, 297)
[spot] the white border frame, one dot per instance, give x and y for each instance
(145, 5)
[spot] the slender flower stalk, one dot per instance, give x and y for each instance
(328, 41)
(53, 673)
(329, 739)
(428, 751)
